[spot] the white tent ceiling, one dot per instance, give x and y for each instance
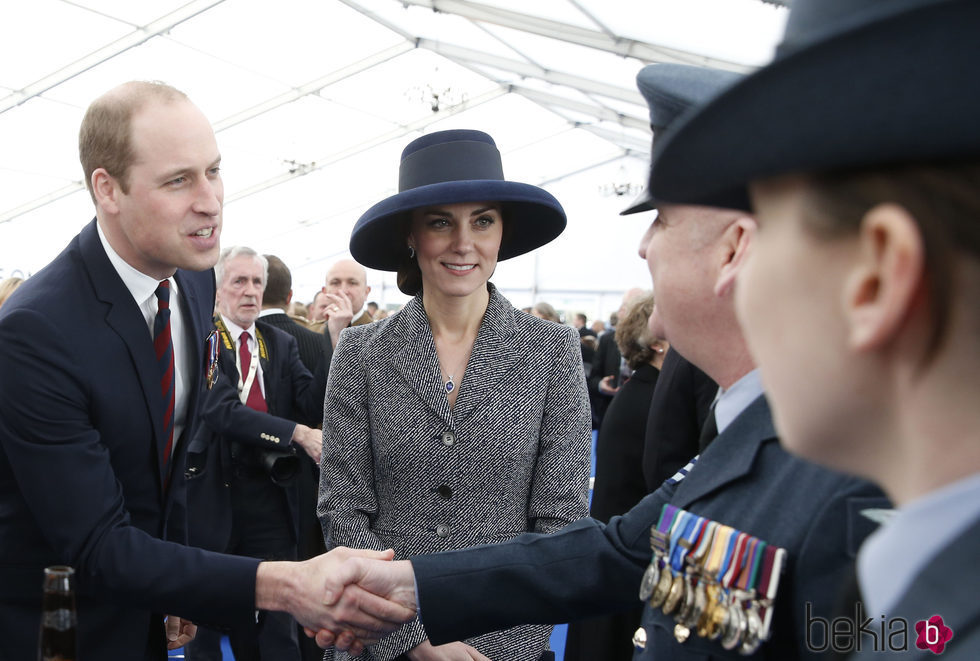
(313, 100)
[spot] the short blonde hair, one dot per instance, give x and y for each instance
(105, 138)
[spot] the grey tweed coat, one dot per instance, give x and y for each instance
(403, 470)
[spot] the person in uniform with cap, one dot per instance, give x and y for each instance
(865, 176)
(459, 420)
(729, 556)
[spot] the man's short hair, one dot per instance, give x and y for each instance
(239, 251)
(278, 283)
(105, 139)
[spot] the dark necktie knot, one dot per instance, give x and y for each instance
(163, 295)
(709, 430)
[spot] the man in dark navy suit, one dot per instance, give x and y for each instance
(259, 432)
(102, 364)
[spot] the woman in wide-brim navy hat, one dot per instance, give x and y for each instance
(859, 298)
(458, 420)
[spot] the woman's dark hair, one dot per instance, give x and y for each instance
(409, 275)
(944, 199)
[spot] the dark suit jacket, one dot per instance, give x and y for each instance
(605, 362)
(680, 404)
(314, 350)
(292, 395)
(81, 479)
(310, 343)
(948, 587)
(744, 479)
(618, 487)
(619, 481)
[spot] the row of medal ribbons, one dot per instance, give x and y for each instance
(715, 580)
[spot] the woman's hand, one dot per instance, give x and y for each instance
(426, 651)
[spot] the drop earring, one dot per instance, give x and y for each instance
(411, 252)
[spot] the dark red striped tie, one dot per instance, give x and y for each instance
(255, 399)
(164, 347)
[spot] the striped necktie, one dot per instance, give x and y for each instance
(163, 346)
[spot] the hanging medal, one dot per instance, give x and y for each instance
(658, 544)
(732, 633)
(668, 523)
(745, 596)
(692, 524)
(715, 614)
(696, 598)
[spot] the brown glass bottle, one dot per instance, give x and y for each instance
(58, 620)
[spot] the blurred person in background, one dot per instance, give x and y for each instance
(546, 311)
(607, 366)
(258, 438)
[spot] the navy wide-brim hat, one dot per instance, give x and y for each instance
(450, 167)
(854, 84)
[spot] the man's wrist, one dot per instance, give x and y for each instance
(274, 585)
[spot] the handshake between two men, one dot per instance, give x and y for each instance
(346, 598)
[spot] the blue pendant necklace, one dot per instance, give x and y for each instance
(451, 384)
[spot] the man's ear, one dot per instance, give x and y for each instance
(106, 190)
(737, 240)
(882, 288)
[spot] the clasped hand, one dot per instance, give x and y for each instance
(369, 596)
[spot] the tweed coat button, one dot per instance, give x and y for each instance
(445, 492)
(448, 438)
(442, 530)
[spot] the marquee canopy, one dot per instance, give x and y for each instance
(313, 101)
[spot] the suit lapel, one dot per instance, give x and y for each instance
(730, 456)
(125, 318)
(195, 334)
(492, 357)
(416, 360)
